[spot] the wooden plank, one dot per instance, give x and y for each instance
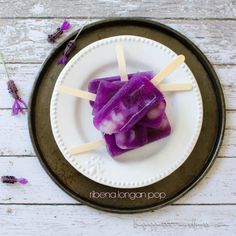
(14, 134)
(117, 8)
(210, 36)
(81, 220)
(228, 147)
(25, 40)
(227, 75)
(42, 190)
(15, 139)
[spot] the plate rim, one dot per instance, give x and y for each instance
(207, 66)
(54, 106)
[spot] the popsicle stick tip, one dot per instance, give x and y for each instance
(168, 69)
(182, 57)
(175, 87)
(86, 147)
(76, 92)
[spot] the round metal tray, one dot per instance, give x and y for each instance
(160, 193)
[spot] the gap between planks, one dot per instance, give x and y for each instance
(40, 63)
(80, 204)
(117, 17)
(21, 156)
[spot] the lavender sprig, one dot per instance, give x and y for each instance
(8, 179)
(65, 26)
(71, 45)
(19, 105)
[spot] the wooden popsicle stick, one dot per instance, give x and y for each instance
(175, 87)
(85, 147)
(121, 62)
(77, 92)
(168, 69)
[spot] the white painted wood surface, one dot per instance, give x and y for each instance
(41, 208)
(80, 220)
(24, 39)
(111, 8)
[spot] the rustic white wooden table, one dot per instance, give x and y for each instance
(41, 208)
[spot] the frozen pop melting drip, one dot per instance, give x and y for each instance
(136, 119)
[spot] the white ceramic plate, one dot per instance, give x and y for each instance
(72, 124)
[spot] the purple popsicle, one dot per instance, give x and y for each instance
(110, 85)
(133, 138)
(137, 136)
(128, 106)
(93, 84)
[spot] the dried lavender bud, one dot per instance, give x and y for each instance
(69, 48)
(65, 26)
(18, 103)
(9, 179)
(12, 89)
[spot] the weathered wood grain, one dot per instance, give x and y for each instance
(14, 135)
(25, 40)
(25, 75)
(223, 173)
(41, 189)
(227, 76)
(81, 221)
(112, 8)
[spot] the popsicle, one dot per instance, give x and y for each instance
(135, 137)
(128, 106)
(107, 89)
(93, 84)
(131, 103)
